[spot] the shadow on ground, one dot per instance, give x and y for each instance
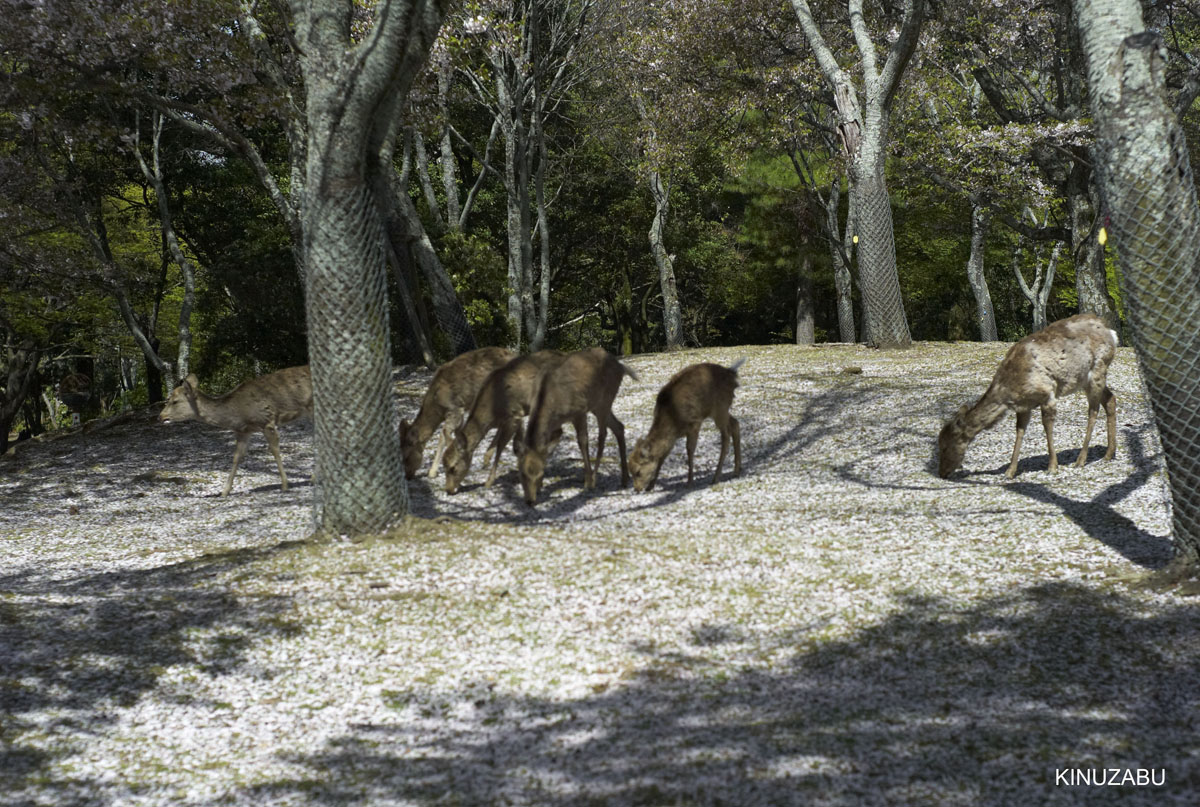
(75, 651)
(934, 705)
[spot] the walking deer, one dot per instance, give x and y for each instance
(586, 381)
(260, 404)
(451, 391)
(504, 399)
(693, 395)
(1068, 356)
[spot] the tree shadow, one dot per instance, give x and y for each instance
(939, 703)
(79, 648)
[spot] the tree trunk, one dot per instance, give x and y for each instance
(841, 246)
(354, 92)
(537, 338)
(672, 315)
(1091, 284)
(985, 315)
(447, 308)
(862, 127)
(885, 324)
(805, 323)
(516, 188)
(1150, 194)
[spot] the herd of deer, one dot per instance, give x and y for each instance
(527, 399)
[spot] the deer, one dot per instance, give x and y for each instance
(504, 399)
(1068, 356)
(451, 391)
(585, 381)
(694, 394)
(260, 404)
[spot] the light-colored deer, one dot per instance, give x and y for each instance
(586, 381)
(694, 394)
(504, 399)
(1068, 356)
(451, 391)
(260, 404)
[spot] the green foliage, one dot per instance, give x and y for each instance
(480, 274)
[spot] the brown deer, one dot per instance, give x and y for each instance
(451, 391)
(586, 381)
(504, 399)
(260, 404)
(1068, 356)
(693, 395)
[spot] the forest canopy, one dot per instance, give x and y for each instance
(637, 174)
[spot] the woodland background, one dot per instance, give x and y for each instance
(554, 153)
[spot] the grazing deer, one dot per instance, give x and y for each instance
(693, 395)
(504, 399)
(1067, 356)
(260, 404)
(586, 381)
(451, 391)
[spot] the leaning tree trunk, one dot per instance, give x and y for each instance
(1148, 189)
(985, 315)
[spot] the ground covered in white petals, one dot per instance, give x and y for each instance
(836, 626)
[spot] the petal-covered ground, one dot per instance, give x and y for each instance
(835, 626)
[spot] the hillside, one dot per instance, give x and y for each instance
(835, 626)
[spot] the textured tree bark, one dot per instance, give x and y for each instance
(1150, 195)
(985, 314)
(1091, 284)
(862, 127)
(354, 92)
(805, 322)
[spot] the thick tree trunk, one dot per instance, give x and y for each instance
(985, 315)
(354, 92)
(672, 315)
(885, 324)
(1150, 194)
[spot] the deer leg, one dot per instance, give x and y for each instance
(452, 422)
(735, 429)
(581, 436)
(273, 441)
(690, 438)
(1022, 422)
(503, 434)
(724, 451)
(239, 451)
(1109, 401)
(1093, 408)
(602, 423)
(618, 430)
(1048, 425)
